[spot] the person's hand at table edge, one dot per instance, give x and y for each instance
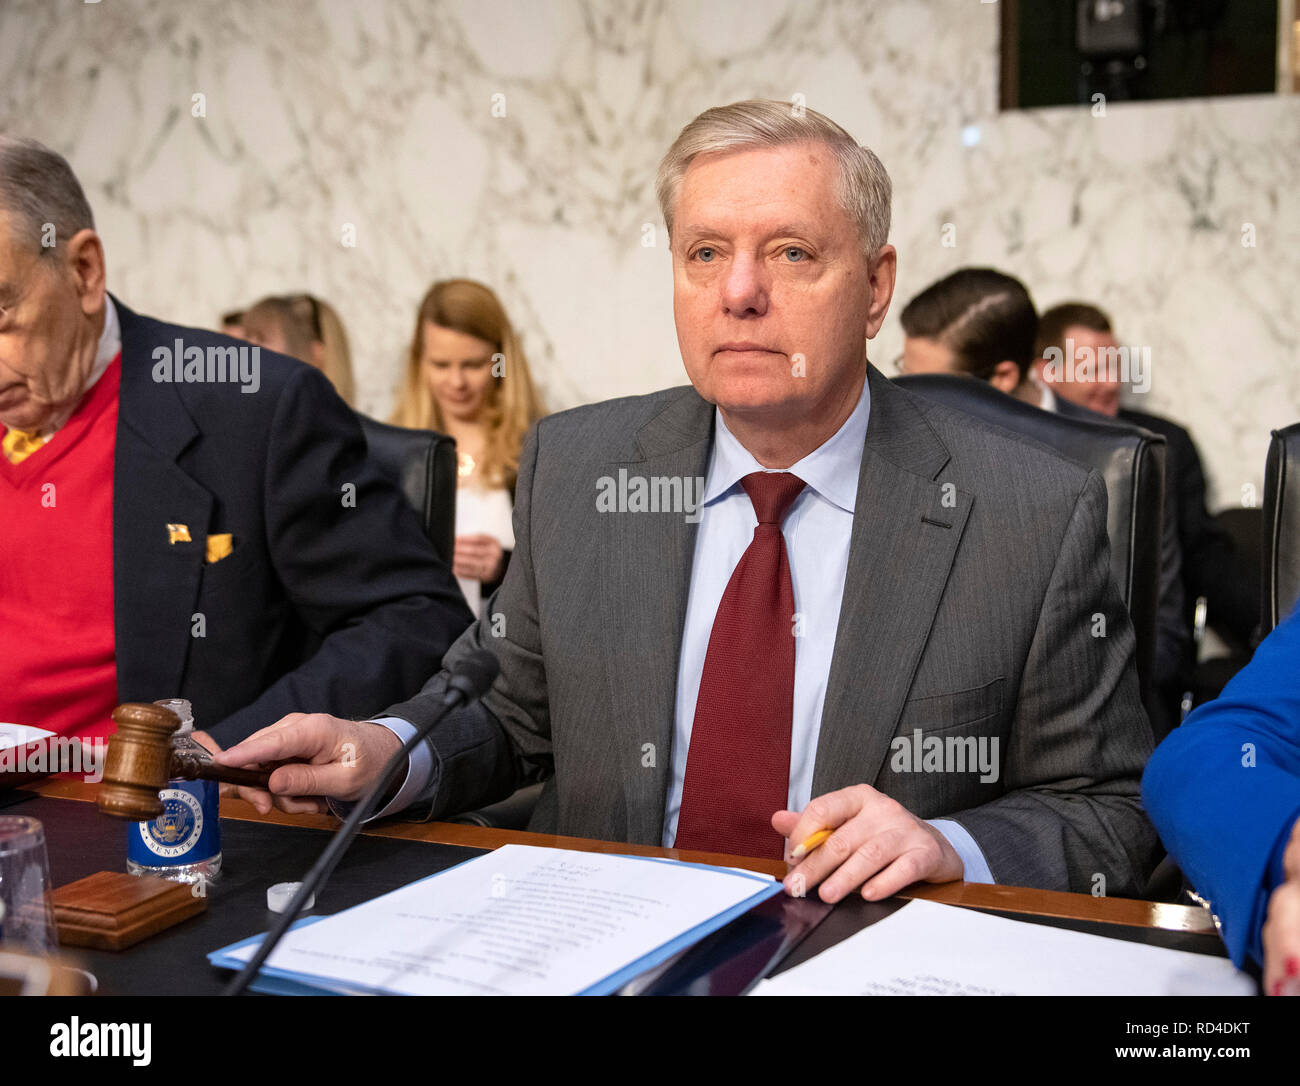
(877, 844)
(1281, 933)
(314, 757)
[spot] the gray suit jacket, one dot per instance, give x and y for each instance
(984, 608)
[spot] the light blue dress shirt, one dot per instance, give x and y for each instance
(817, 530)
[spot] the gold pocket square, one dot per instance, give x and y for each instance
(220, 546)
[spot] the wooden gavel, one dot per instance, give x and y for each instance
(140, 761)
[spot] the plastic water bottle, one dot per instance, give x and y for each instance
(184, 842)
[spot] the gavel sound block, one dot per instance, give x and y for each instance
(141, 760)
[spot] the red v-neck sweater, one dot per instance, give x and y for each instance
(58, 667)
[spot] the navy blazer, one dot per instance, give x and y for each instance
(331, 599)
(1224, 789)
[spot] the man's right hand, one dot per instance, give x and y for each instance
(314, 756)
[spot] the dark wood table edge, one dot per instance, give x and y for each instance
(1128, 912)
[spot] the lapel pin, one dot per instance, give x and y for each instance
(178, 533)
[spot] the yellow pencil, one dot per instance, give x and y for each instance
(810, 843)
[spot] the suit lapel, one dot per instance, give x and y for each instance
(646, 569)
(156, 571)
(906, 530)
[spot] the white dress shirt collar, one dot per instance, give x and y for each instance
(110, 343)
(831, 469)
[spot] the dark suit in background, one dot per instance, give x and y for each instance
(331, 599)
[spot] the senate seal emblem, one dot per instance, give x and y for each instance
(174, 832)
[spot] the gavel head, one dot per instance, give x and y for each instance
(137, 765)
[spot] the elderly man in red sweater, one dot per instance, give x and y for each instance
(179, 518)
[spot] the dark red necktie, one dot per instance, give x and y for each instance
(738, 765)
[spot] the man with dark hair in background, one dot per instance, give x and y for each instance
(982, 322)
(1212, 566)
(976, 321)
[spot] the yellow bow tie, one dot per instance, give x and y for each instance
(18, 445)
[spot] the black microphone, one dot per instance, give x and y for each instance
(469, 680)
(472, 678)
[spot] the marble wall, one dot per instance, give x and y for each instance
(516, 141)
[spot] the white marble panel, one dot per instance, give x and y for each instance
(380, 114)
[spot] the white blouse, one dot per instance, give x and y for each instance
(480, 511)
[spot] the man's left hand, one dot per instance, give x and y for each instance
(877, 844)
(213, 747)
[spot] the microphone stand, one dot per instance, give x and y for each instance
(462, 687)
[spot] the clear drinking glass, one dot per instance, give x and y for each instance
(28, 918)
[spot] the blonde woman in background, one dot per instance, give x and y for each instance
(306, 328)
(466, 376)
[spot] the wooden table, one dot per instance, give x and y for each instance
(1008, 899)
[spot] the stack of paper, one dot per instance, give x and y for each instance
(929, 949)
(521, 920)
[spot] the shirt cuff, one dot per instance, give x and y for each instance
(976, 868)
(419, 770)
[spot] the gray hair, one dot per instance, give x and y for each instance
(863, 186)
(38, 189)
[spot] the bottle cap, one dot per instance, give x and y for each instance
(281, 894)
(181, 707)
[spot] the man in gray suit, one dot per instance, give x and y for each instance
(792, 596)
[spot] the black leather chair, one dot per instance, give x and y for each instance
(1245, 527)
(1281, 526)
(1130, 460)
(423, 463)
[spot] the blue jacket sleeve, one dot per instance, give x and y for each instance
(1224, 789)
